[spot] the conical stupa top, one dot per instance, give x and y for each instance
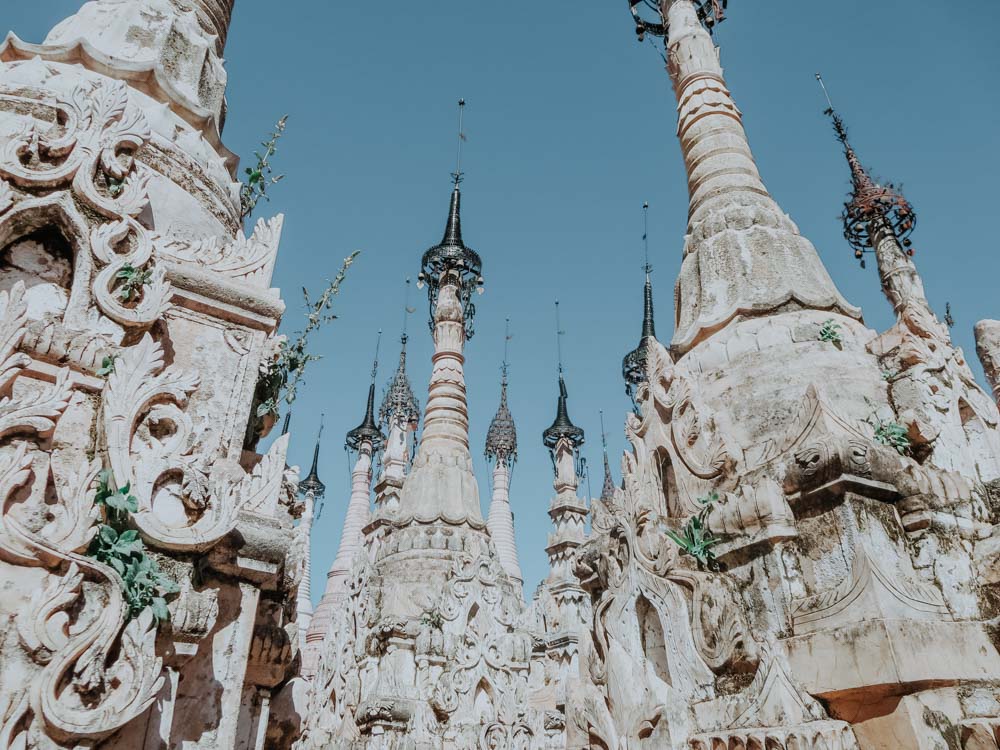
(451, 253)
(368, 429)
(312, 484)
(562, 427)
(869, 203)
(634, 363)
(608, 490)
(399, 401)
(501, 438)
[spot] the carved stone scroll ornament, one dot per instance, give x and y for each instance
(73, 624)
(151, 445)
(694, 437)
(89, 150)
(247, 259)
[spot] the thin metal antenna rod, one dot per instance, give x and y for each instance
(378, 344)
(506, 343)
(406, 309)
(320, 433)
(825, 92)
(559, 335)
(645, 238)
(457, 176)
(604, 437)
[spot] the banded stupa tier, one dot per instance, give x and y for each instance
(742, 255)
(429, 648)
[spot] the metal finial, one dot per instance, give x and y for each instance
(501, 437)
(645, 238)
(378, 344)
(406, 311)
(559, 335)
(506, 348)
(457, 175)
(312, 484)
(822, 85)
(871, 207)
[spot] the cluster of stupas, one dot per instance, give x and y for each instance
(802, 554)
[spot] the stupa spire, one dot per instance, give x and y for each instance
(312, 485)
(743, 256)
(878, 219)
(634, 363)
(441, 483)
(363, 443)
(398, 402)
(608, 490)
(501, 451)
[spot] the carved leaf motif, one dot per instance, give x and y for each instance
(244, 258)
(38, 413)
(13, 321)
(261, 487)
(43, 625)
(106, 241)
(6, 196)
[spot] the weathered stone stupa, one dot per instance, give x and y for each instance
(135, 317)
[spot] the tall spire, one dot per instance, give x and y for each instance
(501, 450)
(368, 430)
(441, 484)
(608, 490)
(562, 426)
(501, 438)
(312, 485)
(398, 402)
(634, 363)
(878, 219)
(743, 256)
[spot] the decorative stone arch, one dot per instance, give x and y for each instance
(666, 480)
(484, 701)
(652, 638)
(57, 213)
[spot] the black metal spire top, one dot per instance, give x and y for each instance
(608, 490)
(501, 438)
(870, 206)
(634, 363)
(312, 484)
(398, 401)
(562, 427)
(368, 430)
(710, 13)
(451, 256)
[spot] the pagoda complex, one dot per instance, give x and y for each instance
(802, 554)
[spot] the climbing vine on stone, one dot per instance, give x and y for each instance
(121, 548)
(282, 376)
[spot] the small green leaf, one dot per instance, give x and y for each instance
(159, 607)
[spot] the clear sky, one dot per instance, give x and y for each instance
(570, 127)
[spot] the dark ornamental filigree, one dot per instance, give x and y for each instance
(399, 401)
(501, 438)
(710, 13)
(367, 431)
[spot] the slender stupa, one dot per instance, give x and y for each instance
(501, 451)
(399, 415)
(634, 363)
(363, 443)
(312, 491)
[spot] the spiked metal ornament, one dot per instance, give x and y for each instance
(367, 430)
(399, 401)
(870, 207)
(710, 12)
(634, 363)
(563, 427)
(312, 484)
(501, 438)
(451, 256)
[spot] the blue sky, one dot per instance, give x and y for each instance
(570, 127)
